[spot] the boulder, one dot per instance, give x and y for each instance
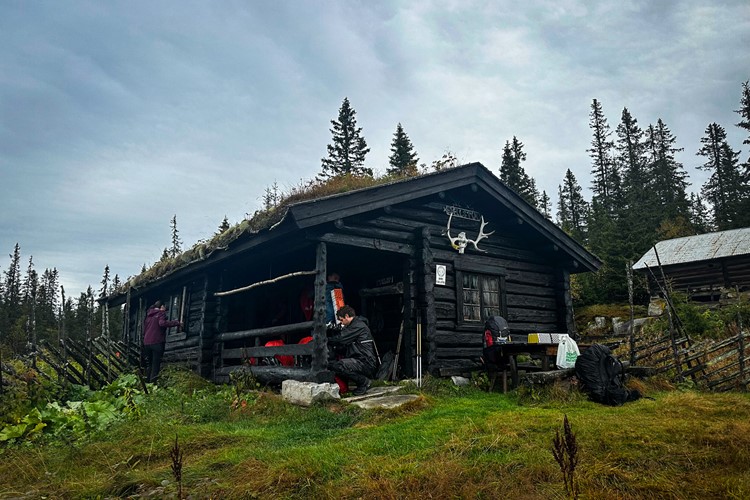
(622, 328)
(656, 307)
(307, 393)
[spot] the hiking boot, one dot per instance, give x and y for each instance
(362, 389)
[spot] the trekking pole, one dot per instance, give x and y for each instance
(398, 346)
(419, 350)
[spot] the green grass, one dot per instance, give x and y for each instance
(448, 443)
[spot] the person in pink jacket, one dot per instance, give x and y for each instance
(155, 337)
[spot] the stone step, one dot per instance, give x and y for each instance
(381, 397)
(374, 392)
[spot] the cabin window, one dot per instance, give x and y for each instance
(176, 310)
(480, 296)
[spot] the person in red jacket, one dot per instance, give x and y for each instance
(155, 336)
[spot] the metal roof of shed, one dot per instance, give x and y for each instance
(731, 243)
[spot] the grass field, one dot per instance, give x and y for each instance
(449, 443)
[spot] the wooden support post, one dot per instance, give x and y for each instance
(428, 297)
(741, 338)
(320, 340)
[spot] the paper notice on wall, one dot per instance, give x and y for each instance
(440, 272)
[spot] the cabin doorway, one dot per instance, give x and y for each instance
(374, 284)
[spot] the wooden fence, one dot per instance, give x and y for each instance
(93, 363)
(717, 365)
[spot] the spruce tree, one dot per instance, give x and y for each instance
(224, 226)
(744, 112)
(176, 241)
(513, 175)
(545, 206)
(609, 283)
(669, 181)
(605, 178)
(403, 160)
(346, 154)
(271, 196)
(638, 210)
(572, 208)
(104, 290)
(48, 304)
(12, 297)
(699, 216)
(83, 315)
(29, 287)
(725, 189)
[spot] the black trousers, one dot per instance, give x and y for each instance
(352, 369)
(154, 353)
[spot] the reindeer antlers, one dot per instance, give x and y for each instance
(481, 235)
(461, 241)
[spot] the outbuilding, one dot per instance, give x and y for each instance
(702, 266)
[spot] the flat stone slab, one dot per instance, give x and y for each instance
(374, 392)
(389, 401)
(381, 397)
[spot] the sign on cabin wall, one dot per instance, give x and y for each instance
(461, 241)
(384, 281)
(440, 272)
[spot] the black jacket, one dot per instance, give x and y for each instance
(358, 342)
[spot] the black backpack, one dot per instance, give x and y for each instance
(602, 376)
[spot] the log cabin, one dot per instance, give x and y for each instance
(425, 259)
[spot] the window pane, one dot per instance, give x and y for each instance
(471, 297)
(471, 313)
(490, 283)
(481, 296)
(490, 299)
(491, 311)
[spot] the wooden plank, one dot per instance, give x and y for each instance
(369, 243)
(458, 352)
(265, 332)
(443, 338)
(373, 231)
(275, 375)
(263, 352)
(530, 301)
(395, 289)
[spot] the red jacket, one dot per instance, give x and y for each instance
(155, 326)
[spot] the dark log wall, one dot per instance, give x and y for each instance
(186, 346)
(537, 289)
(704, 278)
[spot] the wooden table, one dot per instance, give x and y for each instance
(541, 346)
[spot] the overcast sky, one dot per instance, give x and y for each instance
(115, 116)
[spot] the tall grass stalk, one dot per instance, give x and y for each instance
(565, 451)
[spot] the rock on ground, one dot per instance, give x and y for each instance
(307, 393)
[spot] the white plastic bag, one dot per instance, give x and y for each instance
(567, 352)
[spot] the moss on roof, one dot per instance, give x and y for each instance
(261, 220)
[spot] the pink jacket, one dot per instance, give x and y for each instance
(155, 326)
